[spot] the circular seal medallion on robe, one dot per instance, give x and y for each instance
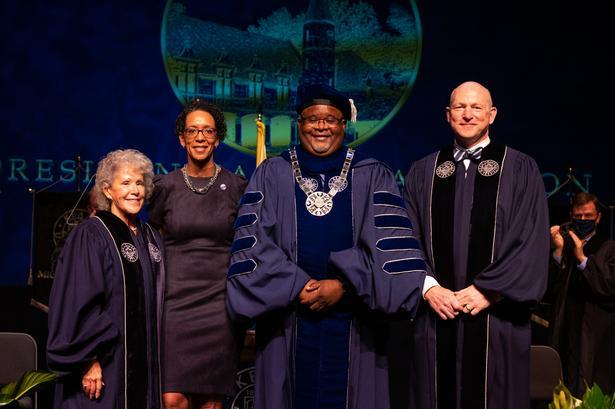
(488, 167)
(310, 183)
(338, 183)
(445, 170)
(129, 252)
(154, 252)
(319, 203)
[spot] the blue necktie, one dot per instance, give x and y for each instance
(472, 154)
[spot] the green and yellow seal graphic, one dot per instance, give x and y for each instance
(368, 50)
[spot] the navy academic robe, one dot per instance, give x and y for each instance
(88, 312)
(384, 268)
(517, 272)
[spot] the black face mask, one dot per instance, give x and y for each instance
(582, 228)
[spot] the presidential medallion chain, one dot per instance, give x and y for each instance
(320, 203)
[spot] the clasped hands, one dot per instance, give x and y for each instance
(320, 295)
(448, 304)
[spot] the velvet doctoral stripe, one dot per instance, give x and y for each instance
(480, 253)
(137, 373)
(443, 211)
(322, 343)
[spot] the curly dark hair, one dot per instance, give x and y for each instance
(199, 104)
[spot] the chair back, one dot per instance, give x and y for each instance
(18, 354)
(545, 371)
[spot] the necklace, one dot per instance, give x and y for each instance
(204, 189)
(320, 203)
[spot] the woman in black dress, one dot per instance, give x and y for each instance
(195, 208)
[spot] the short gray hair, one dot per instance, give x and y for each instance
(105, 172)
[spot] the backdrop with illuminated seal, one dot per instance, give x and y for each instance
(80, 79)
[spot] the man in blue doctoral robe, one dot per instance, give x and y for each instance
(480, 210)
(323, 249)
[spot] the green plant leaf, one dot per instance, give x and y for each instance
(8, 390)
(30, 382)
(593, 398)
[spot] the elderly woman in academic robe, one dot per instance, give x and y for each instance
(103, 308)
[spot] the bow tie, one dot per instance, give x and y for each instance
(472, 154)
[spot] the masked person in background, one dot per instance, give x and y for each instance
(582, 282)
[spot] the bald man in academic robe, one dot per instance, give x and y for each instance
(480, 210)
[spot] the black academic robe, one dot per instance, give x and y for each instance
(584, 315)
(507, 205)
(101, 309)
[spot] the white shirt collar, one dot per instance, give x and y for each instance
(480, 144)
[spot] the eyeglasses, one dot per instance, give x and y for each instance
(330, 121)
(209, 133)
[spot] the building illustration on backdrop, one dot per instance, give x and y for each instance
(247, 72)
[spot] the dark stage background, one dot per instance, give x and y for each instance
(84, 78)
